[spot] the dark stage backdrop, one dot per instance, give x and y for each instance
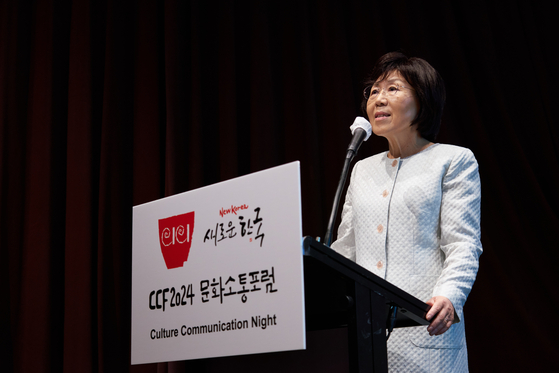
(109, 104)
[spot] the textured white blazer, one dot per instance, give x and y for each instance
(415, 222)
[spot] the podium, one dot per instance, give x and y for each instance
(339, 293)
(218, 276)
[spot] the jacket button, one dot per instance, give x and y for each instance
(380, 228)
(394, 163)
(379, 265)
(385, 193)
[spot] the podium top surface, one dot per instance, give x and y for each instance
(409, 306)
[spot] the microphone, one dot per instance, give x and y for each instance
(361, 130)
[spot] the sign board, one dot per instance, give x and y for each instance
(218, 271)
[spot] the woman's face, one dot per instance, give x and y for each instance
(392, 106)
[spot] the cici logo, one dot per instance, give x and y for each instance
(175, 238)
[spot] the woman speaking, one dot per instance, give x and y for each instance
(412, 213)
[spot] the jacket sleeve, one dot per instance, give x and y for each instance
(460, 229)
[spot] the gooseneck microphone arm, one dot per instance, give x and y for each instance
(361, 129)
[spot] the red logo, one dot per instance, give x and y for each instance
(175, 238)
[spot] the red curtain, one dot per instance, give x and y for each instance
(109, 104)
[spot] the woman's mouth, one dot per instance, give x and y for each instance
(381, 115)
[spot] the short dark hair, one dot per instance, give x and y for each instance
(424, 79)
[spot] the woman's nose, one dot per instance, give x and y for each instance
(380, 100)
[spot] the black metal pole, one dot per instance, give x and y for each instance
(337, 198)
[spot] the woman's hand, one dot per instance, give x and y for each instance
(441, 315)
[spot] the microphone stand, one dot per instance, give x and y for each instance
(351, 151)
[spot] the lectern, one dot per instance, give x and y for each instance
(217, 274)
(339, 292)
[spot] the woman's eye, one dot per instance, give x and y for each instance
(374, 92)
(393, 88)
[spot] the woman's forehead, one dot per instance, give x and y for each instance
(390, 77)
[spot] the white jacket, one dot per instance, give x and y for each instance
(416, 223)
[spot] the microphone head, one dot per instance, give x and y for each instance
(364, 124)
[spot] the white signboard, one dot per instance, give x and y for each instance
(218, 271)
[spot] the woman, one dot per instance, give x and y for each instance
(412, 213)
